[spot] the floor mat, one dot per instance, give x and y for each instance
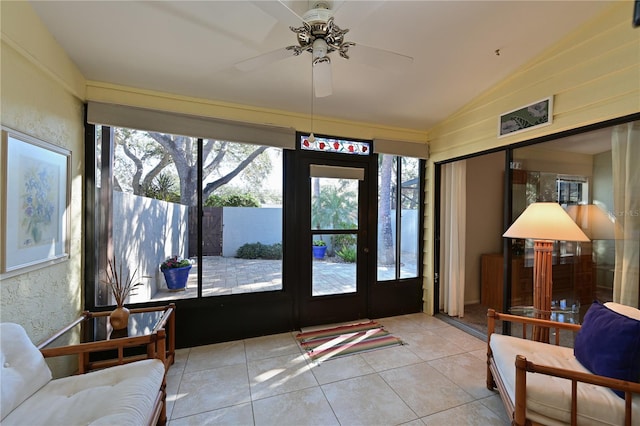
(323, 344)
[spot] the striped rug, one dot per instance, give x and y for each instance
(327, 343)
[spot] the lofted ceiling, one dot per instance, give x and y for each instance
(190, 48)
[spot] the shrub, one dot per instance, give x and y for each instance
(231, 200)
(348, 254)
(259, 251)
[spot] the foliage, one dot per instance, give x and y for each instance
(163, 188)
(231, 200)
(348, 254)
(174, 262)
(319, 243)
(260, 251)
(343, 240)
(120, 288)
(334, 205)
(140, 157)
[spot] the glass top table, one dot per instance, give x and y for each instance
(92, 333)
(569, 316)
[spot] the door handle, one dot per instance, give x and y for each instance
(366, 249)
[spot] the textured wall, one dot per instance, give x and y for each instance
(37, 103)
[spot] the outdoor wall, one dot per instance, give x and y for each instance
(41, 96)
(145, 233)
(242, 225)
(593, 74)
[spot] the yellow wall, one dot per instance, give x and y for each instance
(40, 90)
(593, 74)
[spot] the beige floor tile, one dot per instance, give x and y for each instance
(430, 345)
(424, 389)
(466, 371)
(472, 414)
(480, 353)
(341, 368)
(271, 346)
(208, 390)
(273, 376)
(367, 400)
(173, 384)
(303, 407)
(494, 403)
(464, 340)
(392, 357)
(237, 415)
(216, 355)
(180, 361)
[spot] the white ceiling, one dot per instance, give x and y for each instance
(190, 47)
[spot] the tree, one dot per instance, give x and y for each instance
(386, 253)
(145, 155)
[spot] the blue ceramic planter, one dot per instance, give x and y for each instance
(319, 251)
(176, 278)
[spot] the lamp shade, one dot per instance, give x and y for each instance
(545, 221)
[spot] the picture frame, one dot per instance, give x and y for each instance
(534, 115)
(35, 203)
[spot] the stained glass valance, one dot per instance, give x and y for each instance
(340, 146)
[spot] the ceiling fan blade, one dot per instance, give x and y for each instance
(352, 13)
(280, 11)
(264, 59)
(322, 78)
(380, 58)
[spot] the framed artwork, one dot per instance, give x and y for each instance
(35, 202)
(537, 114)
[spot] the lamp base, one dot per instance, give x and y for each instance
(542, 286)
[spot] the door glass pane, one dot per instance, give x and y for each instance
(334, 203)
(387, 187)
(334, 267)
(409, 217)
(334, 207)
(398, 217)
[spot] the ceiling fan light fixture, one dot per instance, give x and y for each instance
(320, 48)
(322, 77)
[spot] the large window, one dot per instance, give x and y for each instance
(398, 217)
(217, 204)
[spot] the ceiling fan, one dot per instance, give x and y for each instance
(320, 36)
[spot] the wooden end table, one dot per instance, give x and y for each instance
(150, 330)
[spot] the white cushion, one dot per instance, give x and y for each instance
(120, 395)
(625, 310)
(23, 369)
(549, 398)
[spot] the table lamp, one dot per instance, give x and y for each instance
(544, 223)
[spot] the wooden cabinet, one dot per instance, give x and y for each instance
(492, 282)
(572, 279)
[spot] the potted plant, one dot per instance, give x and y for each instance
(319, 248)
(121, 289)
(176, 272)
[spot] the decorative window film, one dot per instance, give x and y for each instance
(340, 146)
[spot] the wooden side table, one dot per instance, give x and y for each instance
(150, 330)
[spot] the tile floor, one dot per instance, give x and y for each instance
(436, 378)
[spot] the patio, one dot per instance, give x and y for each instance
(230, 275)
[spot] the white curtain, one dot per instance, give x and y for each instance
(452, 238)
(625, 152)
